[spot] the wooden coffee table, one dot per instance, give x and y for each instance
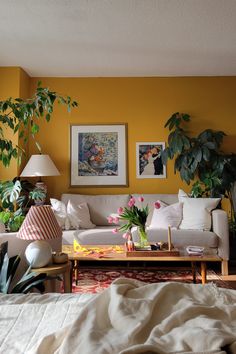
(111, 254)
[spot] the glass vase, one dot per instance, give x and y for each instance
(143, 237)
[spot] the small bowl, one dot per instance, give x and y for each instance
(59, 257)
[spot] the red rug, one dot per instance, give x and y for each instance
(96, 280)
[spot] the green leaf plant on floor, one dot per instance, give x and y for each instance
(17, 115)
(8, 268)
(200, 160)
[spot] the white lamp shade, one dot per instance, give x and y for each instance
(40, 165)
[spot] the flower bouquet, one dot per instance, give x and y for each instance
(135, 217)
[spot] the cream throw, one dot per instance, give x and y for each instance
(133, 317)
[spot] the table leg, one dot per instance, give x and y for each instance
(76, 272)
(193, 266)
(67, 281)
(203, 272)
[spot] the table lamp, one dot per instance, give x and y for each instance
(39, 226)
(40, 166)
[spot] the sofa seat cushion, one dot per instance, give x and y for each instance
(100, 206)
(182, 238)
(100, 235)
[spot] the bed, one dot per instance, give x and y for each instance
(128, 317)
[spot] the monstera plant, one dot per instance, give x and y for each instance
(8, 268)
(17, 115)
(199, 159)
(15, 198)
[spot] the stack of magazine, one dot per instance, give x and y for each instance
(195, 250)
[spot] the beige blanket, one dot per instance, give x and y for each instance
(130, 317)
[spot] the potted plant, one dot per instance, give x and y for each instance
(15, 198)
(200, 159)
(17, 115)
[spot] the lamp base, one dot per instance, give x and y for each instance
(43, 186)
(38, 254)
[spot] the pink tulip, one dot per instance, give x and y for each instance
(157, 205)
(110, 219)
(141, 199)
(131, 202)
(115, 231)
(120, 210)
(116, 220)
(126, 235)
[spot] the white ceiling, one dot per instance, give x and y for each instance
(119, 37)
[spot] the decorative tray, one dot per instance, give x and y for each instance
(158, 253)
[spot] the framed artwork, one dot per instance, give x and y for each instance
(148, 160)
(98, 155)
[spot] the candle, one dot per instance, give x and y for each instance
(169, 238)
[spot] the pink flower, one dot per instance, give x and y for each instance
(131, 202)
(141, 199)
(115, 231)
(110, 219)
(120, 210)
(157, 205)
(116, 220)
(126, 235)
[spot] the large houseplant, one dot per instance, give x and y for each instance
(200, 160)
(17, 115)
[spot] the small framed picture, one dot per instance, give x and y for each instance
(148, 160)
(98, 155)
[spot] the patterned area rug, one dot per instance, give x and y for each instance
(96, 280)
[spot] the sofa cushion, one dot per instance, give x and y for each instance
(182, 238)
(167, 215)
(150, 199)
(100, 235)
(100, 206)
(71, 216)
(197, 212)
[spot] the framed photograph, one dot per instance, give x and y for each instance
(98, 155)
(148, 160)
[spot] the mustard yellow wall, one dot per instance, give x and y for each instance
(14, 82)
(145, 104)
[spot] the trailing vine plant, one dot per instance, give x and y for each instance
(18, 114)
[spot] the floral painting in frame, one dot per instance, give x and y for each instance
(148, 160)
(99, 155)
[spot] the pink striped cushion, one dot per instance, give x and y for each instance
(40, 224)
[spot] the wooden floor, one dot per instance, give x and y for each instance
(231, 278)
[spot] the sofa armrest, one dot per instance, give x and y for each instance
(220, 226)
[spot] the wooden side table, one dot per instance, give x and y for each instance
(57, 269)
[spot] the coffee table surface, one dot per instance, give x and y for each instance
(118, 253)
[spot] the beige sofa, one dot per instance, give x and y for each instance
(101, 206)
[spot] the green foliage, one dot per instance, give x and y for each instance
(8, 268)
(200, 158)
(18, 114)
(15, 197)
(134, 216)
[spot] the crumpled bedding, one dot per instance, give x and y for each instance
(133, 317)
(129, 317)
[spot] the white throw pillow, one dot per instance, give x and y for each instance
(182, 195)
(197, 213)
(60, 212)
(71, 216)
(167, 215)
(79, 216)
